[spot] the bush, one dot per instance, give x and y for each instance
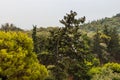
(109, 71)
(115, 67)
(17, 61)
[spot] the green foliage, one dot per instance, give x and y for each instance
(112, 43)
(94, 70)
(115, 67)
(106, 44)
(70, 46)
(74, 49)
(109, 71)
(17, 61)
(71, 52)
(106, 74)
(34, 37)
(111, 22)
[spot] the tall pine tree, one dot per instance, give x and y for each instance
(34, 37)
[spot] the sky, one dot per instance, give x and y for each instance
(46, 13)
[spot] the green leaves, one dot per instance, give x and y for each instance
(17, 61)
(109, 71)
(69, 42)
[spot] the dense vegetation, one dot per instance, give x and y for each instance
(76, 51)
(17, 60)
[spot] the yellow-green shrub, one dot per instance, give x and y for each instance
(17, 61)
(109, 71)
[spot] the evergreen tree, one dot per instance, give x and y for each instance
(100, 40)
(70, 46)
(34, 37)
(97, 49)
(113, 44)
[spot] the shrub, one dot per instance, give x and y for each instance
(109, 71)
(17, 61)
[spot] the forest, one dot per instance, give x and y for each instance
(75, 51)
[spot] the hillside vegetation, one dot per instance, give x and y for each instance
(75, 51)
(111, 22)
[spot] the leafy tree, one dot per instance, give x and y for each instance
(45, 40)
(96, 45)
(99, 48)
(100, 42)
(113, 45)
(17, 60)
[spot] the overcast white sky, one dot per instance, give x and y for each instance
(25, 13)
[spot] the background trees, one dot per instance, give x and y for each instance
(10, 27)
(113, 46)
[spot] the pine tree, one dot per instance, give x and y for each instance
(34, 37)
(70, 47)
